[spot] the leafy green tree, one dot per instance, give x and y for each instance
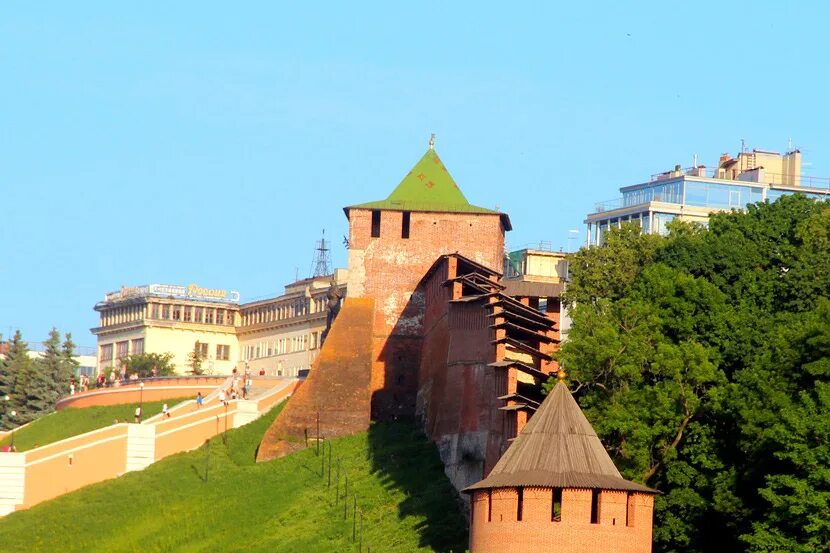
(702, 360)
(195, 359)
(144, 363)
(609, 271)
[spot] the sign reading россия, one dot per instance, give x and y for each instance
(177, 291)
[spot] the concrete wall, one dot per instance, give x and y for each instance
(29, 478)
(388, 269)
(494, 526)
(154, 390)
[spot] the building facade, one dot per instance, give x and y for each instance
(283, 335)
(692, 194)
(279, 335)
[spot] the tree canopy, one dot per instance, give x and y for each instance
(703, 360)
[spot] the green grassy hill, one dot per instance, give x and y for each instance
(71, 422)
(280, 506)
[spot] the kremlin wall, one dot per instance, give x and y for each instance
(430, 330)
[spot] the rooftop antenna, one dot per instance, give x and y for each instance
(743, 146)
(694, 162)
(789, 145)
(432, 141)
(321, 266)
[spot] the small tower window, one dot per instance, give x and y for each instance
(556, 505)
(375, 223)
(489, 505)
(405, 225)
(594, 506)
(519, 503)
(629, 509)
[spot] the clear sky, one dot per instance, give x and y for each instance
(210, 143)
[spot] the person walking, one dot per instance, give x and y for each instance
(138, 414)
(199, 400)
(222, 397)
(165, 412)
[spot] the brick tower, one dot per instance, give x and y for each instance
(392, 244)
(556, 489)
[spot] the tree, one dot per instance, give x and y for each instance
(608, 271)
(195, 359)
(69, 366)
(144, 363)
(51, 364)
(26, 385)
(703, 361)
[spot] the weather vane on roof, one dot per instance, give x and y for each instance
(432, 141)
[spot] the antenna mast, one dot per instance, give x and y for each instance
(321, 266)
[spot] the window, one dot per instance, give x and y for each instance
(165, 311)
(188, 312)
(313, 340)
(405, 225)
(177, 312)
(375, 223)
(594, 506)
(138, 346)
(202, 348)
(199, 314)
(106, 352)
(223, 352)
(519, 503)
(220, 316)
(122, 349)
(209, 316)
(629, 509)
(556, 505)
(154, 311)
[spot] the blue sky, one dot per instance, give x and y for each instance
(212, 142)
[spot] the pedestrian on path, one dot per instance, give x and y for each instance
(165, 412)
(199, 400)
(138, 415)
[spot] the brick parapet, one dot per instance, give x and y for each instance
(494, 525)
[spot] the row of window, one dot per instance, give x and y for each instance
(270, 348)
(405, 223)
(281, 311)
(125, 348)
(556, 506)
(122, 349)
(191, 314)
(167, 312)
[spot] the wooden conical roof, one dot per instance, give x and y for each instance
(558, 448)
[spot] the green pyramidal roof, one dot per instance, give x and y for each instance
(429, 187)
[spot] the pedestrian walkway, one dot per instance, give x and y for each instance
(40, 474)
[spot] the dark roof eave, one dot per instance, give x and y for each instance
(558, 480)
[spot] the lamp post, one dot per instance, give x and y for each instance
(140, 401)
(13, 415)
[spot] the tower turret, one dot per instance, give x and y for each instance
(556, 489)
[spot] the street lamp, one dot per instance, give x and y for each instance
(13, 415)
(140, 400)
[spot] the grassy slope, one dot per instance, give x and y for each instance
(71, 422)
(280, 506)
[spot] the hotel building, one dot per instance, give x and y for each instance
(692, 194)
(279, 335)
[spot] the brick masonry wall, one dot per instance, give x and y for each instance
(574, 533)
(388, 268)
